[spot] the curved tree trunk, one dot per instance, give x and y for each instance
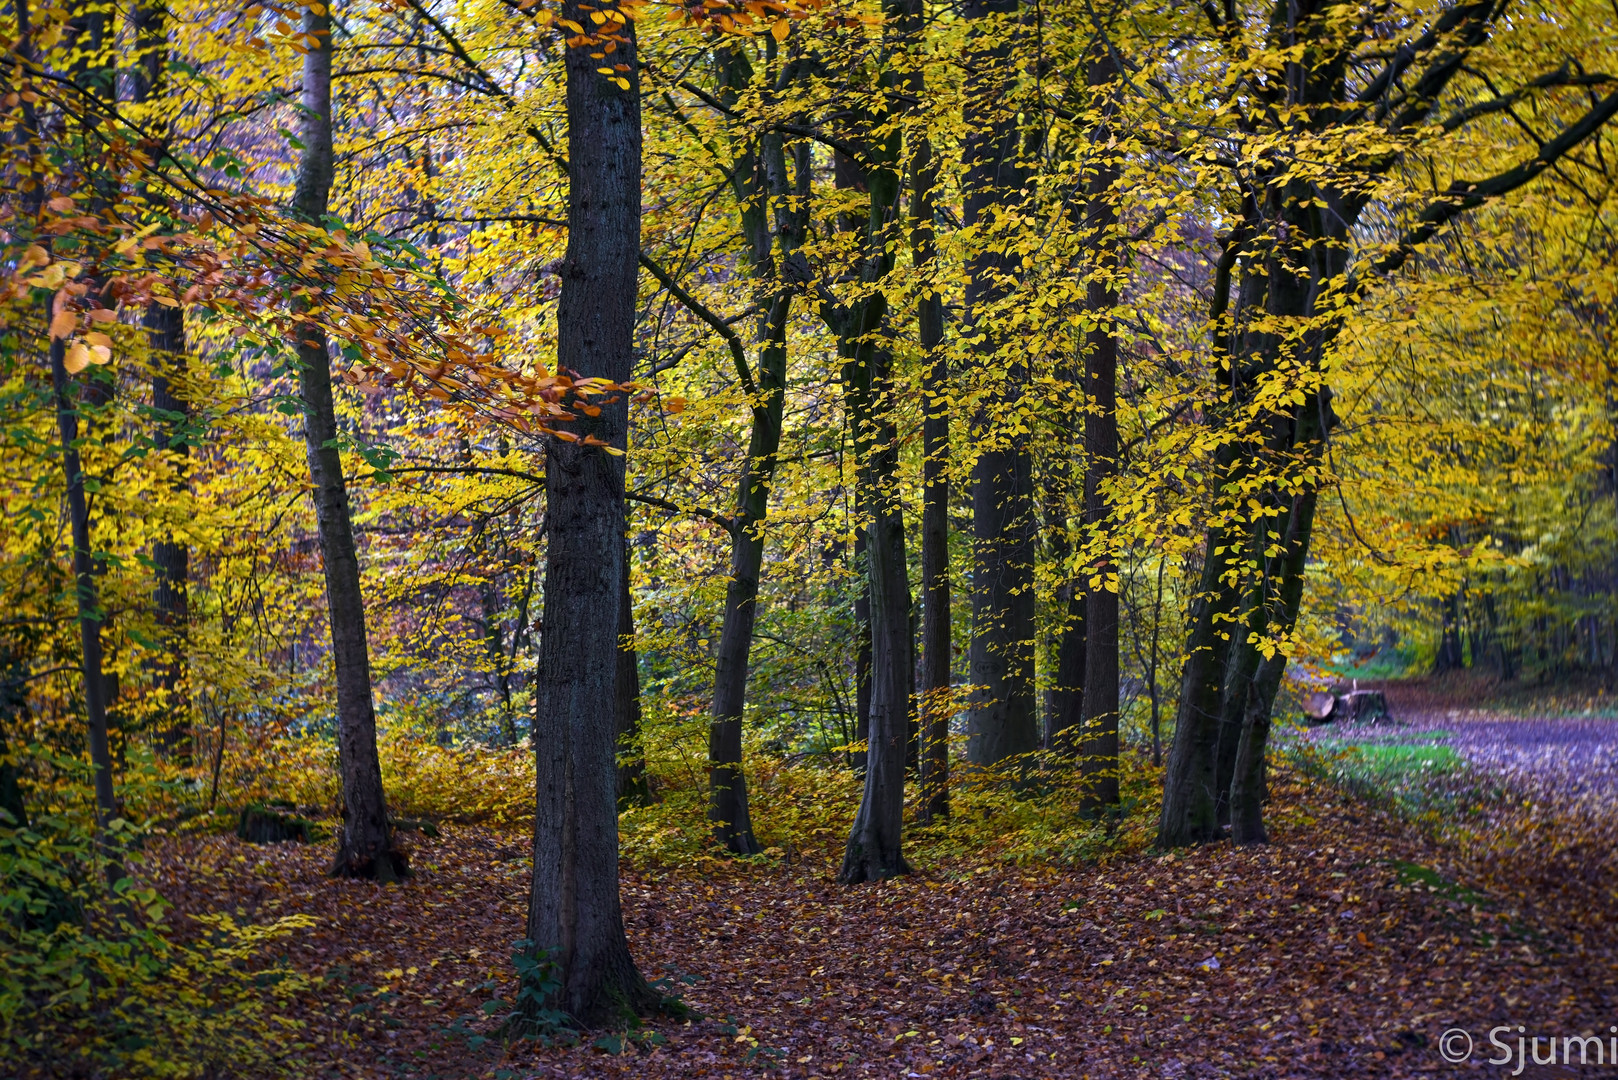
(575, 918)
(762, 187)
(364, 844)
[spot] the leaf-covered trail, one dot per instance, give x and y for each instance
(1337, 951)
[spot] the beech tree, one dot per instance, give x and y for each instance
(364, 848)
(1291, 268)
(575, 918)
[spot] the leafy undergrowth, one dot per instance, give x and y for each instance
(1344, 948)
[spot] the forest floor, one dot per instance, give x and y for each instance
(1369, 928)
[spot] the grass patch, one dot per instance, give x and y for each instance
(1415, 774)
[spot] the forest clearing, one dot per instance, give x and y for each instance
(1015, 538)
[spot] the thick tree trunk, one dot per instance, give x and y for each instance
(873, 850)
(1003, 720)
(364, 845)
(862, 627)
(1190, 793)
(1248, 782)
(1450, 657)
(575, 921)
(632, 786)
(1098, 753)
(874, 844)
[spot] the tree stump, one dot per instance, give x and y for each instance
(1365, 707)
(269, 825)
(1320, 707)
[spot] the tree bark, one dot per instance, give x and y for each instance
(165, 328)
(1098, 753)
(873, 851)
(1248, 782)
(727, 783)
(575, 920)
(862, 627)
(936, 646)
(364, 844)
(171, 558)
(1003, 720)
(89, 600)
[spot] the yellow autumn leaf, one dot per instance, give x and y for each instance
(780, 30)
(77, 358)
(63, 323)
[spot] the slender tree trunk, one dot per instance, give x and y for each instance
(1064, 700)
(762, 193)
(936, 652)
(171, 558)
(1003, 720)
(165, 328)
(364, 846)
(632, 786)
(13, 711)
(89, 600)
(1098, 754)
(575, 918)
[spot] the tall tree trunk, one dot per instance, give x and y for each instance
(936, 652)
(165, 327)
(862, 627)
(632, 786)
(1248, 781)
(575, 919)
(85, 29)
(89, 600)
(1098, 754)
(1064, 698)
(364, 845)
(171, 558)
(1190, 811)
(1003, 720)
(727, 783)
(873, 851)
